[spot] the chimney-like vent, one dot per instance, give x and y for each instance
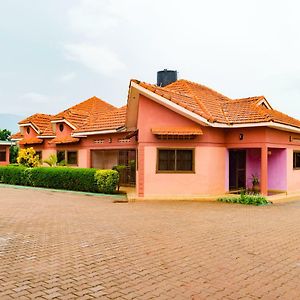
(166, 77)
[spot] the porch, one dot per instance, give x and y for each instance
(268, 165)
(4, 152)
(107, 159)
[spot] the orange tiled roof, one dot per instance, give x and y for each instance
(216, 107)
(30, 141)
(79, 114)
(92, 114)
(99, 121)
(177, 131)
(64, 140)
(39, 121)
(17, 136)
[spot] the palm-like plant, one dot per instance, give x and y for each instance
(51, 161)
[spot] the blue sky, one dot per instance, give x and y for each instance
(56, 53)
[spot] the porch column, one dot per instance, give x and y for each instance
(7, 155)
(264, 171)
(89, 158)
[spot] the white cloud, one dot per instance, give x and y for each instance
(91, 22)
(67, 77)
(96, 57)
(92, 18)
(35, 98)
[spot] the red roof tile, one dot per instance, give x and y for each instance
(108, 120)
(30, 141)
(39, 121)
(216, 107)
(64, 140)
(17, 136)
(81, 113)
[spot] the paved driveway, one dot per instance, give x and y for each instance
(68, 246)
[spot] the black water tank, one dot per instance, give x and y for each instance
(166, 77)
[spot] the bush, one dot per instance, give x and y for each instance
(246, 199)
(16, 175)
(28, 158)
(76, 179)
(107, 181)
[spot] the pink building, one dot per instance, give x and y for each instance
(179, 139)
(4, 152)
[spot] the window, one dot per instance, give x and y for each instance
(3, 155)
(28, 130)
(175, 160)
(61, 156)
(61, 127)
(296, 160)
(67, 157)
(72, 157)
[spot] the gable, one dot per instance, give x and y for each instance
(152, 114)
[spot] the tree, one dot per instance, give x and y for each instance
(4, 134)
(13, 154)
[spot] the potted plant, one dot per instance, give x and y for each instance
(255, 183)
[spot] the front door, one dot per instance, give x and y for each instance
(237, 170)
(127, 158)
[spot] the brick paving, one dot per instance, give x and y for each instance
(69, 246)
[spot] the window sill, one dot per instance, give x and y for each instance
(175, 172)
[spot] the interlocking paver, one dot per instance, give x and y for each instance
(67, 246)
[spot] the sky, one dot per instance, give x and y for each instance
(54, 54)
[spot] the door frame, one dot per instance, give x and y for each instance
(240, 166)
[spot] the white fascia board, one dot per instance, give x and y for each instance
(46, 136)
(265, 102)
(65, 121)
(6, 143)
(194, 117)
(82, 134)
(29, 124)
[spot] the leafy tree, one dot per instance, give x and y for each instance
(13, 154)
(4, 134)
(28, 158)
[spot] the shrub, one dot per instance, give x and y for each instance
(76, 179)
(16, 175)
(28, 158)
(246, 199)
(120, 169)
(107, 181)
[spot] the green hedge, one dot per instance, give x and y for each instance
(76, 179)
(14, 175)
(246, 199)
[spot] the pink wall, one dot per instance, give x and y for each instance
(210, 155)
(293, 176)
(84, 147)
(253, 161)
(277, 169)
(67, 130)
(208, 179)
